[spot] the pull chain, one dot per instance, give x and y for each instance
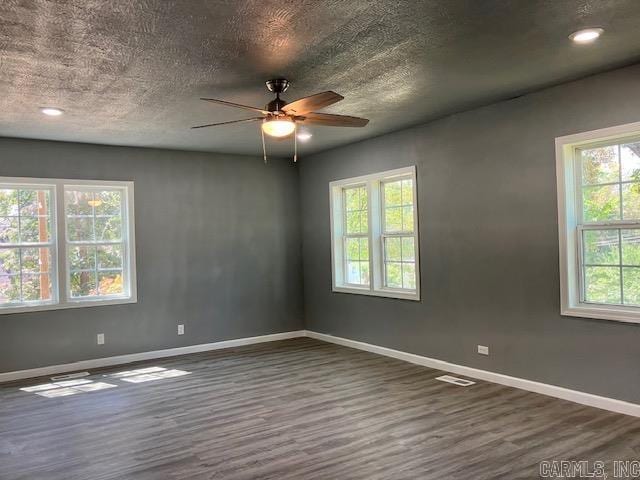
(295, 142)
(264, 149)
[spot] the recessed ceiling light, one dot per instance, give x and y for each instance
(586, 35)
(304, 136)
(51, 111)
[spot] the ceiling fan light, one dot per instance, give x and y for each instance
(586, 35)
(278, 127)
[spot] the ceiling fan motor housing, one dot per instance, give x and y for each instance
(277, 86)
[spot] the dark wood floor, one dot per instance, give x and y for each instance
(298, 409)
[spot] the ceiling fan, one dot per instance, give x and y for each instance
(280, 119)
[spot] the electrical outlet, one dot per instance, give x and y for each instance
(482, 350)
(101, 339)
(180, 329)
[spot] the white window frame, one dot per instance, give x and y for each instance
(61, 295)
(570, 225)
(375, 205)
(347, 236)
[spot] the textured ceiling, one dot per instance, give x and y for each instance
(130, 72)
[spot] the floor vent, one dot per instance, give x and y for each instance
(455, 380)
(70, 376)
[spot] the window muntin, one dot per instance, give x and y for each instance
(374, 235)
(609, 223)
(398, 234)
(46, 238)
(27, 254)
(356, 235)
(96, 242)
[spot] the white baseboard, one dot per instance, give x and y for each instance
(583, 398)
(136, 357)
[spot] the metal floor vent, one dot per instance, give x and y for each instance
(70, 376)
(455, 380)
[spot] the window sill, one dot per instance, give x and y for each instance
(378, 293)
(618, 314)
(69, 304)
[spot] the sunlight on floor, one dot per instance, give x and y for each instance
(72, 387)
(67, 387)
(148, 374)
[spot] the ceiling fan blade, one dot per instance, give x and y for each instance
(237, 105)
(314, 102)
(329, 120)
(227, 123)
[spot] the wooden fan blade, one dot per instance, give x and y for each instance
(314, 102)
(329, 120)
(237, 105)
(227, 123)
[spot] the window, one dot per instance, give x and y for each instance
(599, 212)
(86, 224)
(356, 235)
(27, 254)
(374, 235)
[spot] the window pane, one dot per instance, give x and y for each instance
(364, 249)
(600, 165)
(82, 258)
(602, 284)
(35, 229)
(352, 199)
(407, 219)
(9, 261)
(108, 202)
(78, 202)
(631, 201)
(407, 192)
(601, 247)
(631, 161)
(392, 249)
(36, 287)
(83, 284)
(9, 288)
(110, 256)
(110, 283)
(33, 202)
(393, 194)
(364, 273)
(353, 249)
(353, 272)
(393, 219)
(631, 247)
(36, 260)
(408, 249)
(364, 201)
(409, 275)
(631, 285)
(80, 229)
(353, 223)
(364, 222)
(9, 230)
(601, 203)
(393, 273)
(108, 228)
(8, 202)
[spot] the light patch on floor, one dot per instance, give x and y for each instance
(462, 382)
(66, 388)
(148, 374)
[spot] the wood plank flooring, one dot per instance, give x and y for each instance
(298, 409)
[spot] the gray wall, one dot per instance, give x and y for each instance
(488, 240)
(217, 245)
